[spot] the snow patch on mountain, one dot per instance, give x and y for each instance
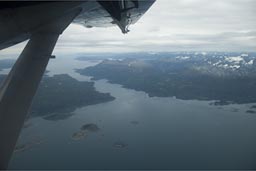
(183, 57)
(250, 62)
(234, 59)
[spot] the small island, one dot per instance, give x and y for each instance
(251, 111)
(79, 135)
(90, 127)
(253, 107)
(26, 146)
(134, 122)
(84, 131)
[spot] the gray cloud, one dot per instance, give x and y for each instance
(172, 25)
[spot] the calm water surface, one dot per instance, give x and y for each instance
(159, 133)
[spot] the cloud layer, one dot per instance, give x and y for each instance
(173, 25)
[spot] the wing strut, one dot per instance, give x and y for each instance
(20, 86)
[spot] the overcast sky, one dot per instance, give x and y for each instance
(173, 25)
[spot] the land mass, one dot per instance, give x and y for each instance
(224, 79)
(58, 96)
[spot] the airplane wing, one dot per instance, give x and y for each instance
(20, 19)
(42, 22)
